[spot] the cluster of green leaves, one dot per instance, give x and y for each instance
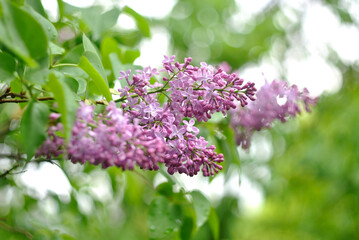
(181, 215)
(135, 210)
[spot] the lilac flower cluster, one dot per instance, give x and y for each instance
(144, 132)
(108, 139)
(191, 92)
(200, 91)
(275, 100)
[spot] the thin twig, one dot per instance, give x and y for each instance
(16, 230)
(38, 160)
(13, 95)
(3, 175)
(6, 100)
(45, 160)
(16, 157)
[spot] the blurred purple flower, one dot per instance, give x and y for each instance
(275, 101)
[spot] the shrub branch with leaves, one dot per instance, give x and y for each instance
(58, 101)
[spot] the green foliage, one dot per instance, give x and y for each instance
(7, 67)
(201, 207)
(22, 34)
(47, 26)
(65, 100)
(161, 218)
(34, 127)
(90, 62)
(204, 31)
(141, 22)
(99, 22)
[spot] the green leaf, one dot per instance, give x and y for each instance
(81, 82)
(60, 4)
(68, 9)
(66, 236)
(142, 23)
(108, 19)
(165, 189)
(72, 83)
(201, 207)
(92, 65)
(116, 65)
(64, 97)
(74, 55)
(73, 71)
(48, 27)
(187, 228)
(55, 49)
(161, 218)
(130, 55)
(37, 6)
(98, 21)
(227, 145)
(7, 67)
(111, 54)
(33, 127)
(77, 74)
(88, 45)
(37, 75)
(129, 38)
(109, 46)
(30, 31)
(22, 34)
(16, 85)
(213, 223)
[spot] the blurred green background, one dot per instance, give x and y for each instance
(299, 180)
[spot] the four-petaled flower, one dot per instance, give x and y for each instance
(190, 126)
(153, 109)
(125, 75)
(168, 59)
(177, 132)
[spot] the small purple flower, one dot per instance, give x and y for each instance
(168, 59)
(124, 74)
(177, 132)
(115, 113)
(151, 71)
(85, 112)
(54, 116)
(190, 126)
(153, 109)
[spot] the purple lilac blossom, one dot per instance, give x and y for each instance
(274, 101)
(144, 132)
(108, 139)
